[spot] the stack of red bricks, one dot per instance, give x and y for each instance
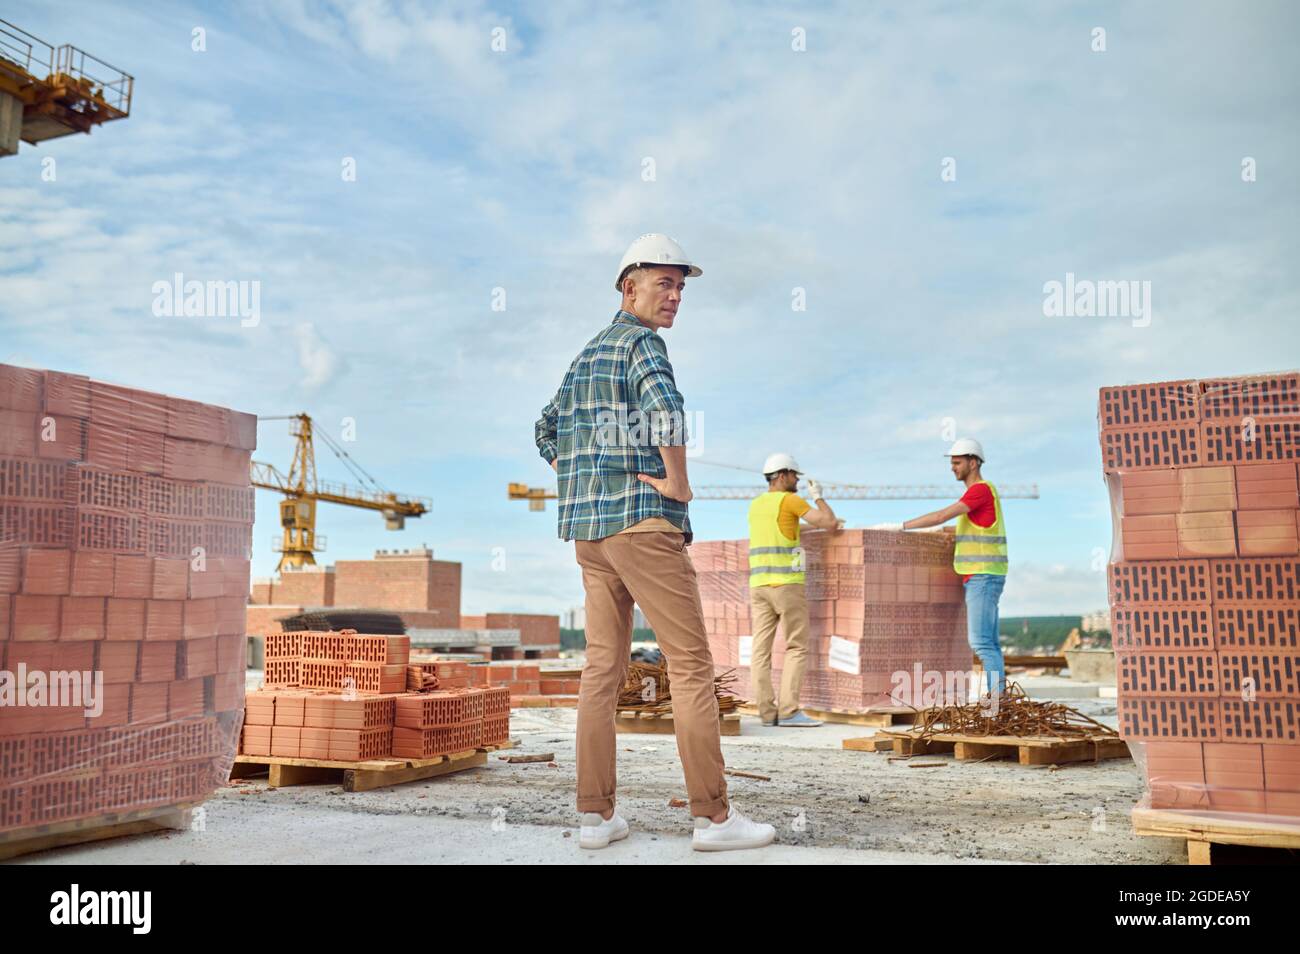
(340, 697)
(556, 684)
(526, 680)
(885, 608)
(1205, 587)
(521, 678)
(125, 525)
(346, 727)
(341, 661)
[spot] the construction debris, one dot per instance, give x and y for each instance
(419, 679)
(754, 775)
(647, 690)
(1016, 715)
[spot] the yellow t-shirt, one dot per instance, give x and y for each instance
(792, 508)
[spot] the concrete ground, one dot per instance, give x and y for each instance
(830, 806)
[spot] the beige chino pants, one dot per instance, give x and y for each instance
(787, 605)
(653, 570)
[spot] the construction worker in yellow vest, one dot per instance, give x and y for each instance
(980, 557)
(776, 586)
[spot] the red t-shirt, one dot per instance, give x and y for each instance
(982, 511)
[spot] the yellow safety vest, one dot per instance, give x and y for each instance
(982, 549)
(774, 558)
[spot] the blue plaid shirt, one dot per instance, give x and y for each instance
(618, 404)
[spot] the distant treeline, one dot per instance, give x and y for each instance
(1032, 632)
(577, 638)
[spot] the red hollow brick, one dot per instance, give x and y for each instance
(126, 619)
(163, 620)
(35, 618)
(60, 438)
(132, 577)
(92, 573)
(83, 618)
(170, 579)
(67, 394)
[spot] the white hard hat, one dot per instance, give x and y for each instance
(966, 446)
(777, 462)
(655, 248)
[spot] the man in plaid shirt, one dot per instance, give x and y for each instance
(615, 434)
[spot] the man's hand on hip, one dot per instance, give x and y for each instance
(673, 490)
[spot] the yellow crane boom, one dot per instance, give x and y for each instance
(302, 491)
(537, 496)
(47, 91)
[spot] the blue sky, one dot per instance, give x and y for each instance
(776, 169)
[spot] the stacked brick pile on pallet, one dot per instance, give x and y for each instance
(125, 524)
(338, 697)
(886, 611)
(1204, 584)
(302, 723)
(338, 661)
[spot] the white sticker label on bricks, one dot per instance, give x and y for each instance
(844, 656)
(745, 650)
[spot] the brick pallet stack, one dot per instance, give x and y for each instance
(125, 524)
(1204, 587)
(885, 609)
(340, 698)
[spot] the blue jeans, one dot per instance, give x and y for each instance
(982, 593)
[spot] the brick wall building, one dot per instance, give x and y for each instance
(400, 580)
(425, 591)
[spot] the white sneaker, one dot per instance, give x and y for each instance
(736, 832)
(598, 832)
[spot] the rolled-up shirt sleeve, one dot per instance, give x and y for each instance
(663, 410)
(544, 431)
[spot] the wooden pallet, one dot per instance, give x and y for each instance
(23, 841)
(283, 771)
(880, 742)
(569, 673)
(875, 716)
(1027, 750)
(653, 723)
(1219, 837)
(543, 702)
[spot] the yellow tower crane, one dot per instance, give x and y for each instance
(47, 91)
(302, 490)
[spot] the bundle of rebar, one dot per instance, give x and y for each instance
(1015, 715)
(371, 622)
(647, 690)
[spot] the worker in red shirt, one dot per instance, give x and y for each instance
(980, 556)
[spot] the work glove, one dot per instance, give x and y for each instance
(814, 490)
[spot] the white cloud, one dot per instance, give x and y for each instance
(319, 363)
(1036, 589)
